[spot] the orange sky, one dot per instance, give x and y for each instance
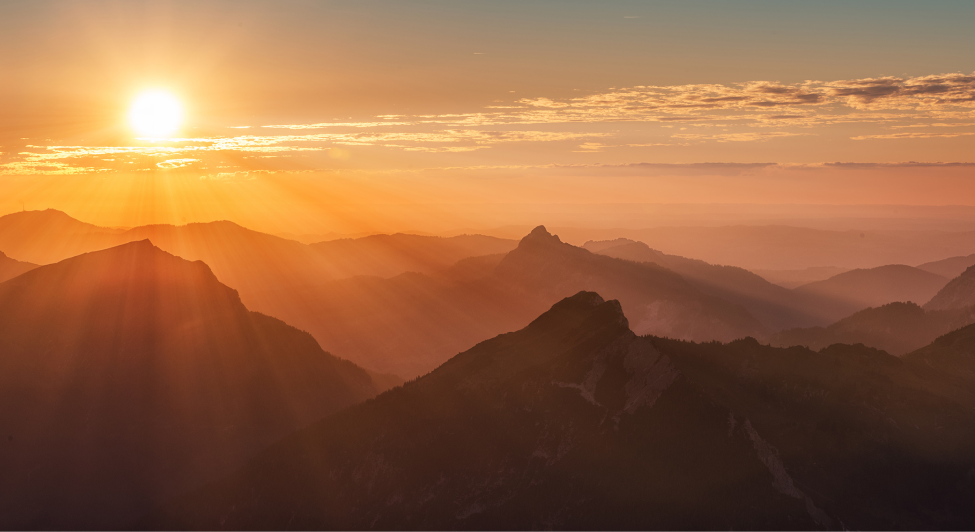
(371, 115)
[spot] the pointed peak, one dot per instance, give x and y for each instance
(540, 234)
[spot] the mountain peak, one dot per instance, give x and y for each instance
(540, 234)
(583, 307)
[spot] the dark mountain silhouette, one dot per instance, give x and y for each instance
(952, 357)
(846, 293)
(425, 319)
(391, 255)
(958, 293)
(575, 422)
(897, 328)
(951, 267)
(10, 268)
(130, 375)
(776, 307)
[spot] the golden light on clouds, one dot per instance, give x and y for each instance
(155, 114)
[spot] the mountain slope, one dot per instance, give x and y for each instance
(776, 307)
(951, 267)
(129, 375)
(951, 355)
(262, 267)
(897, 328)
(575, 422)
(391, 255)
(958, 293)
(657, 300)
(10, 268)
(846, 293)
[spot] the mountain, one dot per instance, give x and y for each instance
(776, 307)
(575, 422)
(785, 247)
(958, 293)
(391, 255)
(44, 237)
(287, 279)
(130, 375)
(425, 319)
(846, 293)
(10, 268)
(263, 268)
(951, 267)
(250, 261)
(951, 355)
(897, 328)
(657, 300)
(794, 278)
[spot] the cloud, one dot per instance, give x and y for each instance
(176, 163)
(913, 135)
(736, 137)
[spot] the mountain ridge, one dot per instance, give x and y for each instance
(576, 422)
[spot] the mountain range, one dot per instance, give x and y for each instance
(425, 319)
(858, 289)
(434, 296)
(951, 267)
(776, 307)
(895, 327)
(129, 375)
(577, 422)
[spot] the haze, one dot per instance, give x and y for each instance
(487, 265)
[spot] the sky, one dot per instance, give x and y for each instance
(347, 116)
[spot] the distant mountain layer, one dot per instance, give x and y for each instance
(781, 247)
(576, 422)
(795, 278)
(951, 267)
(776, 307)
(897, 328)
(846, 293)
(391, 255)
(424, 319)
(45, 237)
(10, 268)
(130, 375)
(958, 293)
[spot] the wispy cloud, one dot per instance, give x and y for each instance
(913, 135)
(737, 137)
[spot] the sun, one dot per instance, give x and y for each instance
(155, 114)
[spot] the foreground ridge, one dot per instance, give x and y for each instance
(576, 422)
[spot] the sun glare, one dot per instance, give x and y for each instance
(156, 114)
